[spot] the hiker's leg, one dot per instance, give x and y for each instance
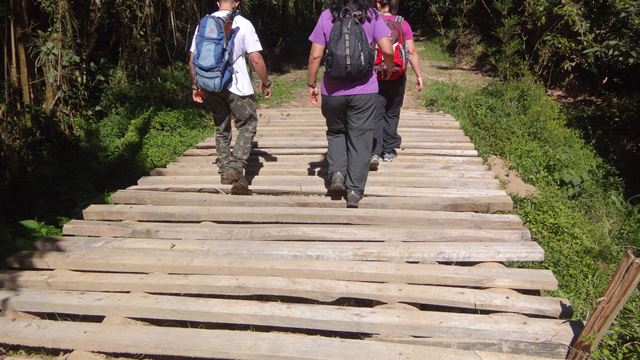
(378, 133)
(361, 111)
(334, 112)
(217, 104)
(394, 93)
(244, 109)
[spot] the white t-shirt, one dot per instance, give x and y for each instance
(246, 42)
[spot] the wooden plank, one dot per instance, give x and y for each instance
(264, 181)
(386, 167)
(285, 143)
(371, 191)
(320, 159)
(306, 232)
(180, 263)
(315, 289)
(477, 203)
(301, 215)
(548, 349)
(320, 150)
(301, 171)
(623, 283)
(152, 340)
(372, 251)
(289, 315)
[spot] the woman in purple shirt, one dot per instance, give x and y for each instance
(348, 104)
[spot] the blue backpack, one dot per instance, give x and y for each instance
(214, 52)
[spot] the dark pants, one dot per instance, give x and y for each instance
(350, 136)
(225, 105)
(389, 102)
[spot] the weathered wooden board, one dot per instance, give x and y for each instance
(400, 181)
(371, 191)
(315, 289)
(296, 316)
(299, 150)
(150, 261)
(386, 167)
(421, 252)
(301, 215)
(320, 159)
(272, 232)
(548, 349)
(295, 143)
(382, 172)
(478, 203)
(152, 340)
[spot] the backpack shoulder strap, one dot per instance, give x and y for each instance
(228, 23)
(399, 22)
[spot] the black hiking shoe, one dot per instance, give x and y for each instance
(336, 182)
(353, 199)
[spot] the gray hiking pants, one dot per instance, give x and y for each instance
(350, 136)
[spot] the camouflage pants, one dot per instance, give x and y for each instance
(224, 106)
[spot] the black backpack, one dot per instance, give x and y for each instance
(349, 54)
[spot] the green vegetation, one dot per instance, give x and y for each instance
(286, 88)
(135, 127)
(580, 216)
(434, 50)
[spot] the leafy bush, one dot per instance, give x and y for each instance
(135, 127)
(579, 217)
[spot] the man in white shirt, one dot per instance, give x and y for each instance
(236, 100)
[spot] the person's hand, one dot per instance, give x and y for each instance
(388, 72)
(266, 90)
(419, 84)
(198, 96)
(314, 92)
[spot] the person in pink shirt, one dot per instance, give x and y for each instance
(349, 96)
(386, 138)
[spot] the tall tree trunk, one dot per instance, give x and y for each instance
(14, 62)
(21, 40)
(6, 66)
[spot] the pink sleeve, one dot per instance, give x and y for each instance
(406, 28)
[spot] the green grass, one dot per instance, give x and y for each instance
(579, 217)
(285, 89)
(433, 50)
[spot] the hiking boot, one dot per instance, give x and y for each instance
(353, 199)
(224, 180)
(374, 163)
(388, 157)
(336, 182)
(240, 185)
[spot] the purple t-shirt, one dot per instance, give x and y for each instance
(375, 30)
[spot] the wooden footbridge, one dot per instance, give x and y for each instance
(177, 267)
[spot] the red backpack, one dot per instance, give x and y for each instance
(400, 56)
